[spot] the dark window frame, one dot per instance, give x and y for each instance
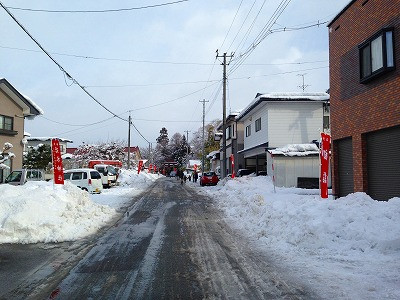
(257, 122)
(248, 130)
(228, 132)
(366, 45)
(4, 117)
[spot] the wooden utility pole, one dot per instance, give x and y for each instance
(224, 78)
(204, 113)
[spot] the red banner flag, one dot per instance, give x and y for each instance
(140, 166)
(57, 162)
(150, 168)
(155, 169)
(324, 156)
(232, 158)
(195, 167)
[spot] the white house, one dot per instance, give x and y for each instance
(35, 141)
(276, 119)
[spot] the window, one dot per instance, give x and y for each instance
(326, 122)
(248, 130)
(228, 132)
(258, 124)
(376, 55)
(6, 123)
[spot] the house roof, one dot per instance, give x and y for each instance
(296, 150)
(341, 12)
(29, 107)
(44, 139)
(290, 97)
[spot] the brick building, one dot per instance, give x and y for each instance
(364, 51)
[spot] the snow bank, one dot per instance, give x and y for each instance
(132, 178)
(41, 212)
(293, 221)
(346, 248)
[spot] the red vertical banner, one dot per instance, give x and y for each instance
(57, 162)
(232, 158)
(155, 169)
(140, 166)
(195, 167)
(150, 168)
(324, 156)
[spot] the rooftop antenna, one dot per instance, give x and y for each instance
(303, 86)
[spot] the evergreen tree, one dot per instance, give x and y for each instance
(38, 157)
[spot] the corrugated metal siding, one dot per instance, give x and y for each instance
(345, 165)
(383, 163)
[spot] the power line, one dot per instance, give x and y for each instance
(77, 125)
(172, 62)
(96, 11)
(59, 66)
(230, 27)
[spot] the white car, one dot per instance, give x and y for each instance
(86, 179)
(108, 174)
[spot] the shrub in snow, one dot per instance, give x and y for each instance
(4, 155)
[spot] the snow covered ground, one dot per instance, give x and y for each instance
(43, 212)
(347, 248)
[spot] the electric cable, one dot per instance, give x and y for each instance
(96, 11)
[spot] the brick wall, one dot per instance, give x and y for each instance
(360, 108)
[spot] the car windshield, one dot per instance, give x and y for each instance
(111, 170)
(15, 176)
(209, 174)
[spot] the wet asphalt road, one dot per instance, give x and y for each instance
(170, 244)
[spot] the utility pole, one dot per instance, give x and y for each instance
(224, 77)
(150, 153)
(204, 113)
(129, 140)
(187, 147)
(303, 86)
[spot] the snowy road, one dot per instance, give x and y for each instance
(172, 244)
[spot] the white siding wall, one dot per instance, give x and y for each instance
(259, 137)
(294, 123)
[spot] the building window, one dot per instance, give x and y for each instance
(6, 123)
(248, 130)
(228, 132)
(376, 55)
(258, 124)
(326, 122)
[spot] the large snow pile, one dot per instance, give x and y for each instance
(290, 218)
(349, 248)
(132, 178)
(43, 212)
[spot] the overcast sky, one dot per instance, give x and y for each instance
(157, 62)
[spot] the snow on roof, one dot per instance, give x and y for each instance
(26, 133)
(296, 150)
(43, 139)
(33, 104)
(284, 96)
(212, 154)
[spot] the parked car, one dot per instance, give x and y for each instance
(262, 173)
(21, 176)
(86, 179)
(243, 172)
(108, 174)
(209, 178)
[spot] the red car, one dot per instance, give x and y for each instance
(209, 178)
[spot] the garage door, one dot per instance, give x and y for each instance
(345, 167)
(383, 163)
